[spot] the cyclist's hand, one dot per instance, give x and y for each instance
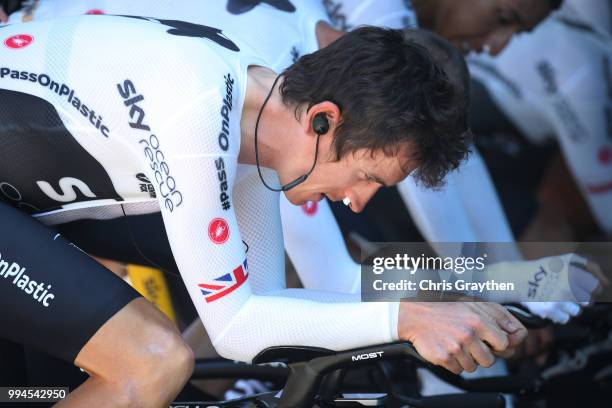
(3, 16)
(556, 279)
(460, 336)
(558, 312)
(566, 277)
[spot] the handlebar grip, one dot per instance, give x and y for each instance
(471, 400)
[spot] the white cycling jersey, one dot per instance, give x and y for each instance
(152, 115)
(556, 82)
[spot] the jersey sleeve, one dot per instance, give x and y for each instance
(466, 210)
(312, 228)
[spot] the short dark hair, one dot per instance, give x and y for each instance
(391, 93)
(453, 64)
(555, 4)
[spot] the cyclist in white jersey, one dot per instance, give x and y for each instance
(556, 83)
(177, 104)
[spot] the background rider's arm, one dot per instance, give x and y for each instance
(316, 247)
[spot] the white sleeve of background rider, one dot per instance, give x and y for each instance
(581, 110)
(467, 209)
(316, 247)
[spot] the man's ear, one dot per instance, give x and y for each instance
(329, 109)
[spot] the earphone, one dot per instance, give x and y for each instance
(320, 125)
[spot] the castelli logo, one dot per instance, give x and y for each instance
(605, 155)
(95, 11)
(310, 208)
(19, 41)
(218, 231)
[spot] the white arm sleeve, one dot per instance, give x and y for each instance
(316, 247)
(467, 209)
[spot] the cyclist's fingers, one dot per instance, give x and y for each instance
(559, 316)
(583, 284)
(506, 353)
(571, 308)
(451, 364)
(505, 331)
(437, 352)
(3, 16)
(465, 360)
(445, 354)
(495, 337)
(481, 353)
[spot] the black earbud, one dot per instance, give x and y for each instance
(320, 124)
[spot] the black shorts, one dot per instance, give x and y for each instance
(136, 239)
(52, 295)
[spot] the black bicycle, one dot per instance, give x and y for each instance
(383, 376)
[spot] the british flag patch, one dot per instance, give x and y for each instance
(225, 284)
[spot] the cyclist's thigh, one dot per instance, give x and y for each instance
(52, 295)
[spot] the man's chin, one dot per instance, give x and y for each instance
(295, 200)
(300, 200)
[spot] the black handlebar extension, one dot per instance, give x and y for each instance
(305, 377)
